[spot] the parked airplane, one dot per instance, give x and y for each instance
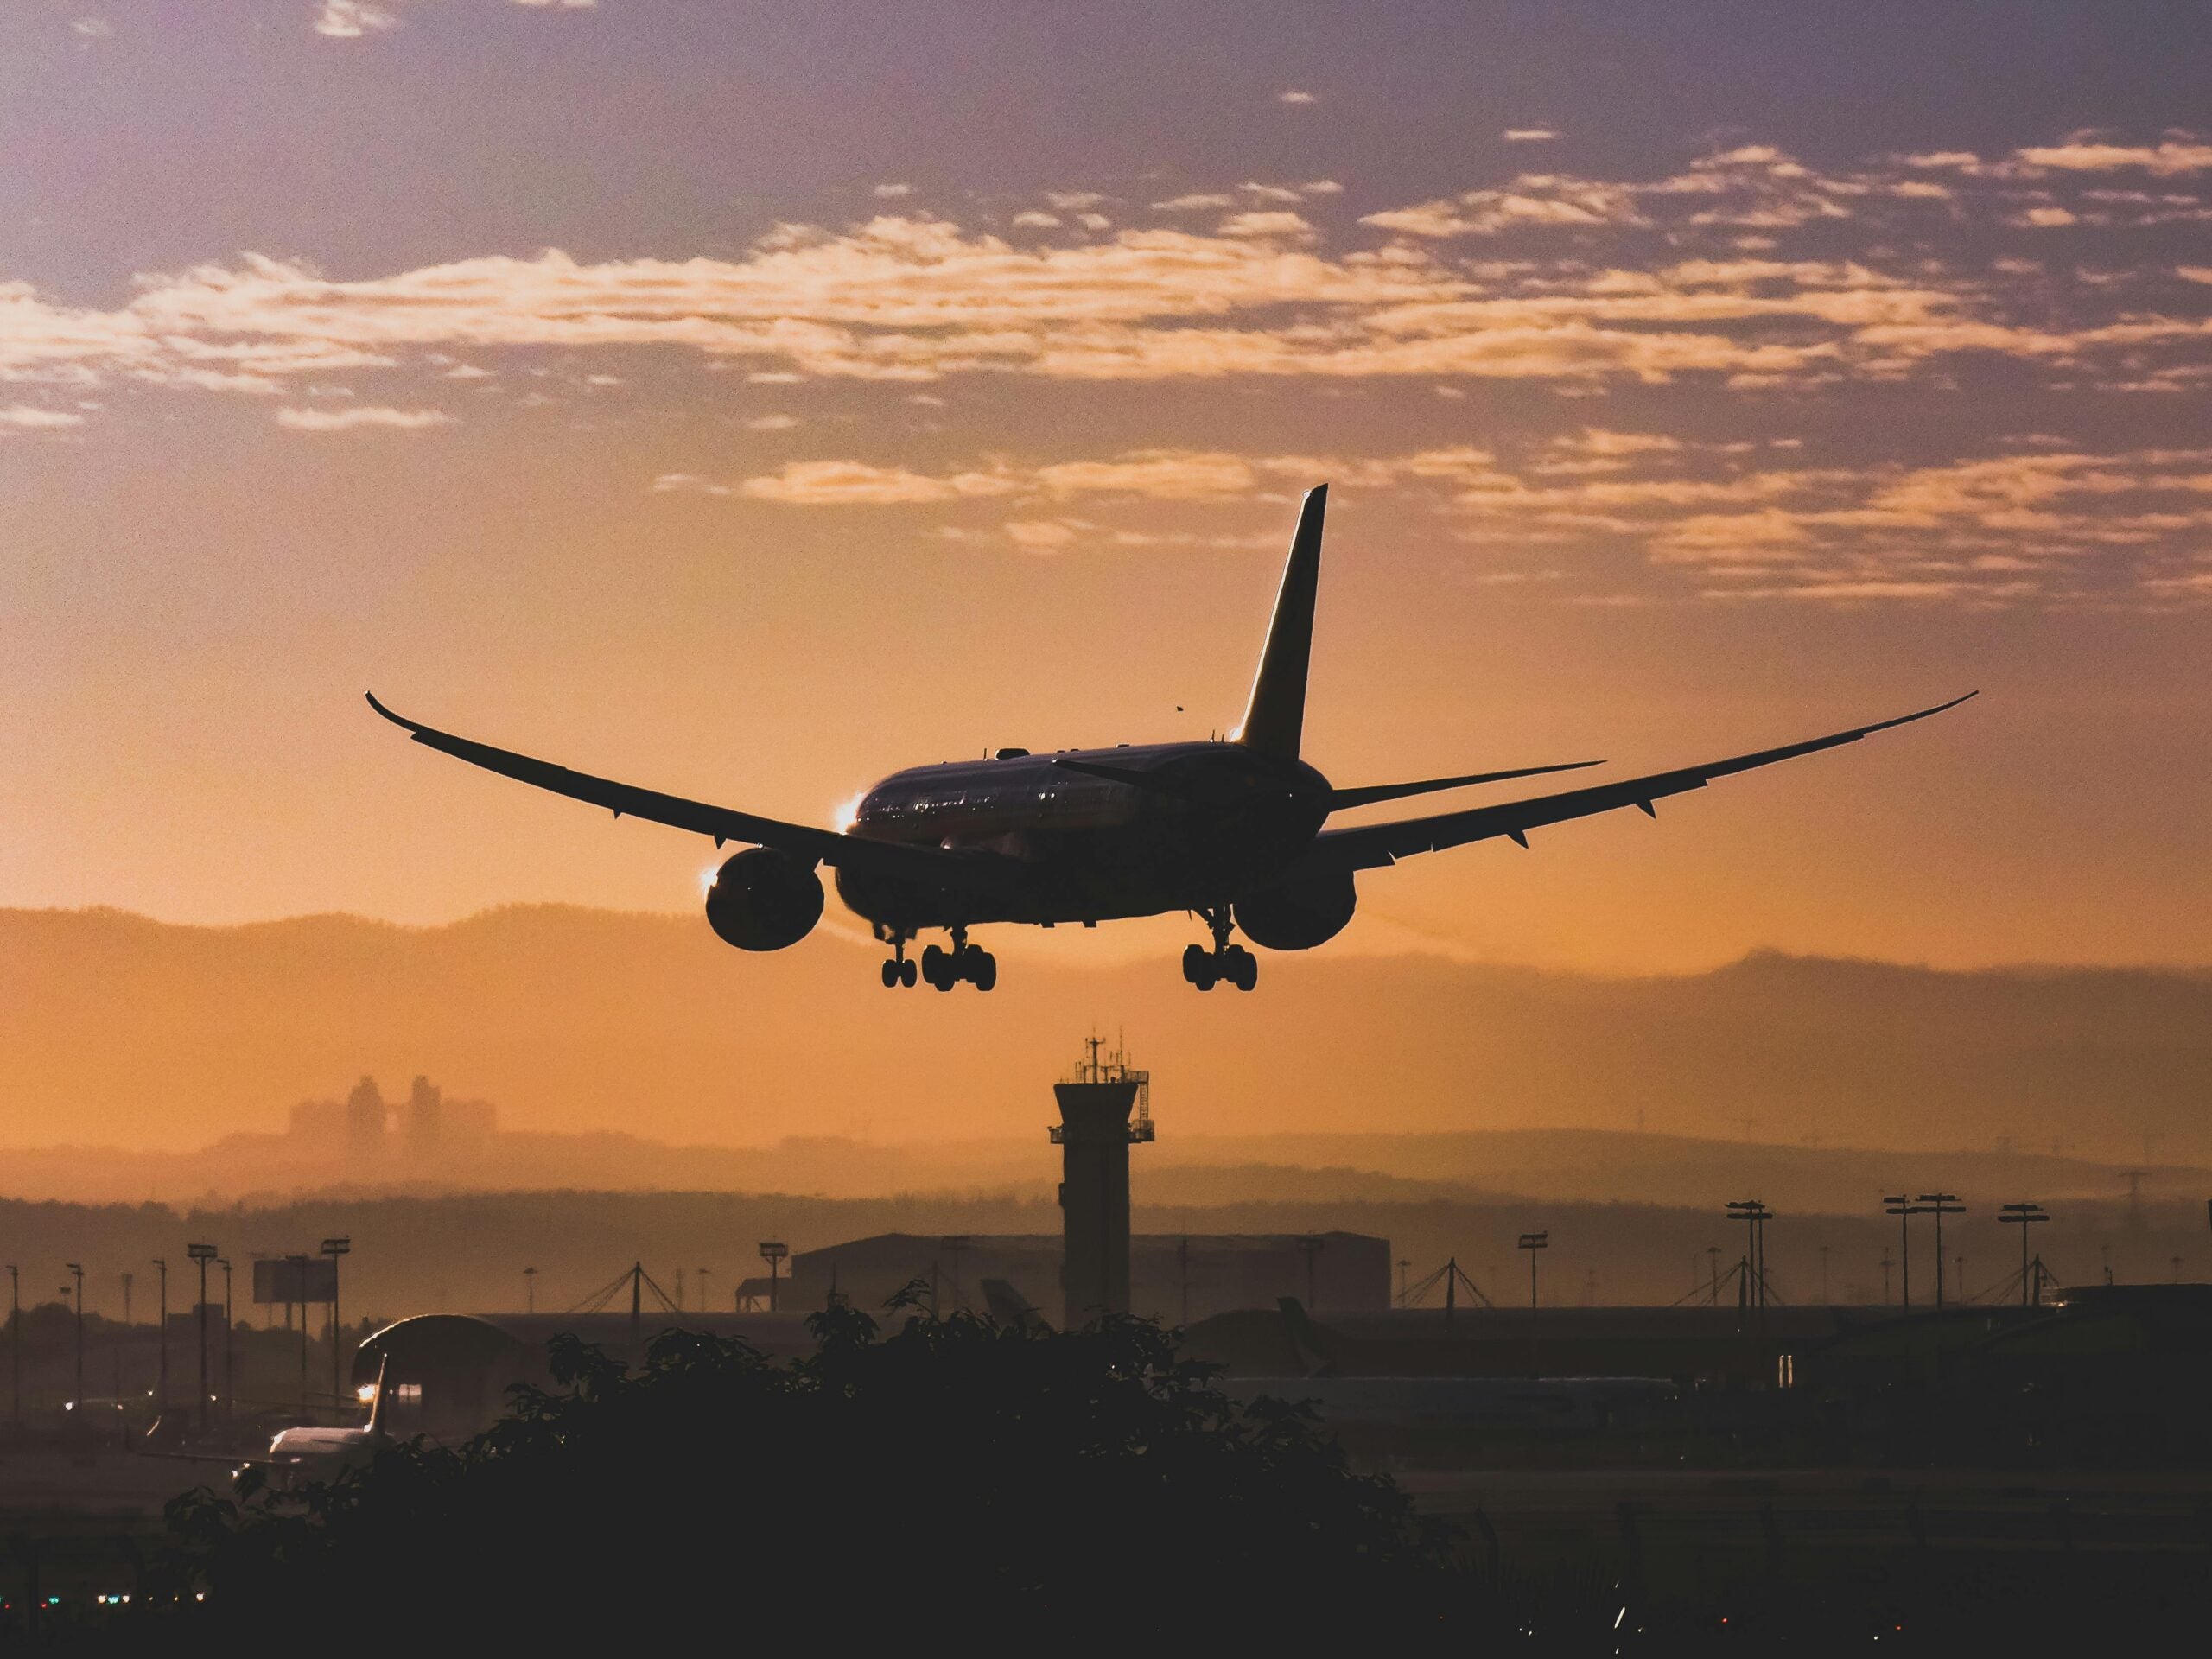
(1234, 831)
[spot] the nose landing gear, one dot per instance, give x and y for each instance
(899, 970)
(1226, 963)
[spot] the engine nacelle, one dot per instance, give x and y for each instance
(763, 899)
(1300, 916)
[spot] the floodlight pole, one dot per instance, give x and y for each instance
(1532, 1242)
(202, 1254)
(161, 1378)
(529, 1290)
(230, 1376)
(334, 1248)
(1903, 1209)
(2024, 1216)
(773, 1251)
(77, 1271)
(1309, 1246)
(1941, 1205)
(15, 1344)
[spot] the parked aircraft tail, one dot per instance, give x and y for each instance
(1275, 719)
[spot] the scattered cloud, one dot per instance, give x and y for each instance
(365, 416)
(777, 423)
(1294, 95)
(350, 20)
(92, 28)
(894, 191)
(1529, 134)
(22, 418)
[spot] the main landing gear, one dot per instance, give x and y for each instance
(942, 969)
(1226, 963)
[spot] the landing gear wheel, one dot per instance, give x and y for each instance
(1194, 963)
(907, 974)
(1240, 968)
(937, 969)
(892, 973)
(983, 969)
(1209, 972)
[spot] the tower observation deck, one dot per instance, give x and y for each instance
(1105, 1108)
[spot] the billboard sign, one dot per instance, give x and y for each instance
(295, 1279)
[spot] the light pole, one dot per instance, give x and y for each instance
(1712, 1261)
(772, 1251)
(1754, 1214)
(126, 1300)
(334, 1248)
(202, 1254)
(2024, 1216)
(77, 1272)
(162, 1381)
(529, 1290)
(1940, 1204)
(15, 1343)
(1532, 1242)
(230, 1378)
(699, 1278)
(1903, 1209)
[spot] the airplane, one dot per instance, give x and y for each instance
(1234, 831)
(316, 1452)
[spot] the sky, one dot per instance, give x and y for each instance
(750, 400)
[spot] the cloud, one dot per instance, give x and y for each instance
(892, 192)
(2174, 155)
(1294, 95)
(91, 28)
(1577, 282)
(367, 415)
(853, 483)
(1529, 134)
(350, 20)
(772, 423)
(24, 418)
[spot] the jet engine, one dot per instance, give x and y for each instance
(1299, 916)
(763, 899)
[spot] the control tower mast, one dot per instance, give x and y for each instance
(1095, 1132)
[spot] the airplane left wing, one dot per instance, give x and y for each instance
(933, 866)
(1370, 846)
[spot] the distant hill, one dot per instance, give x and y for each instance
(117, 1030)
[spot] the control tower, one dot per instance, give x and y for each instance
(1095, 1132)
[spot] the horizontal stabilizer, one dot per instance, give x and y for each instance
(1341, 799)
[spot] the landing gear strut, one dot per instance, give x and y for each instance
(1226, 963)
(945, 968)
(899, 970)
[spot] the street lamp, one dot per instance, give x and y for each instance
(1754, 1214)
(772, 1251)
(334, 1248)
(529, 1290)
(202, 1254)
(15, 1342)
(1310, 1247)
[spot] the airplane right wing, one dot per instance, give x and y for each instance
(1371, 845)
(932, 866)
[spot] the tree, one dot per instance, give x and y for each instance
(1089, 1482)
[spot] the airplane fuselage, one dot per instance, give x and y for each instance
(1210, 822)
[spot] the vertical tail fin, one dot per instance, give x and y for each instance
(376, 1406)
(1275, 719)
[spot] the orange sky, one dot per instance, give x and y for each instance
(889, 398)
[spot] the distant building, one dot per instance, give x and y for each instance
(1205, 1274)
(425, 1128)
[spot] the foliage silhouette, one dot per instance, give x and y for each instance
(1090, 1479)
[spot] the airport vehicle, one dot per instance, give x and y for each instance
(1234, 831)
